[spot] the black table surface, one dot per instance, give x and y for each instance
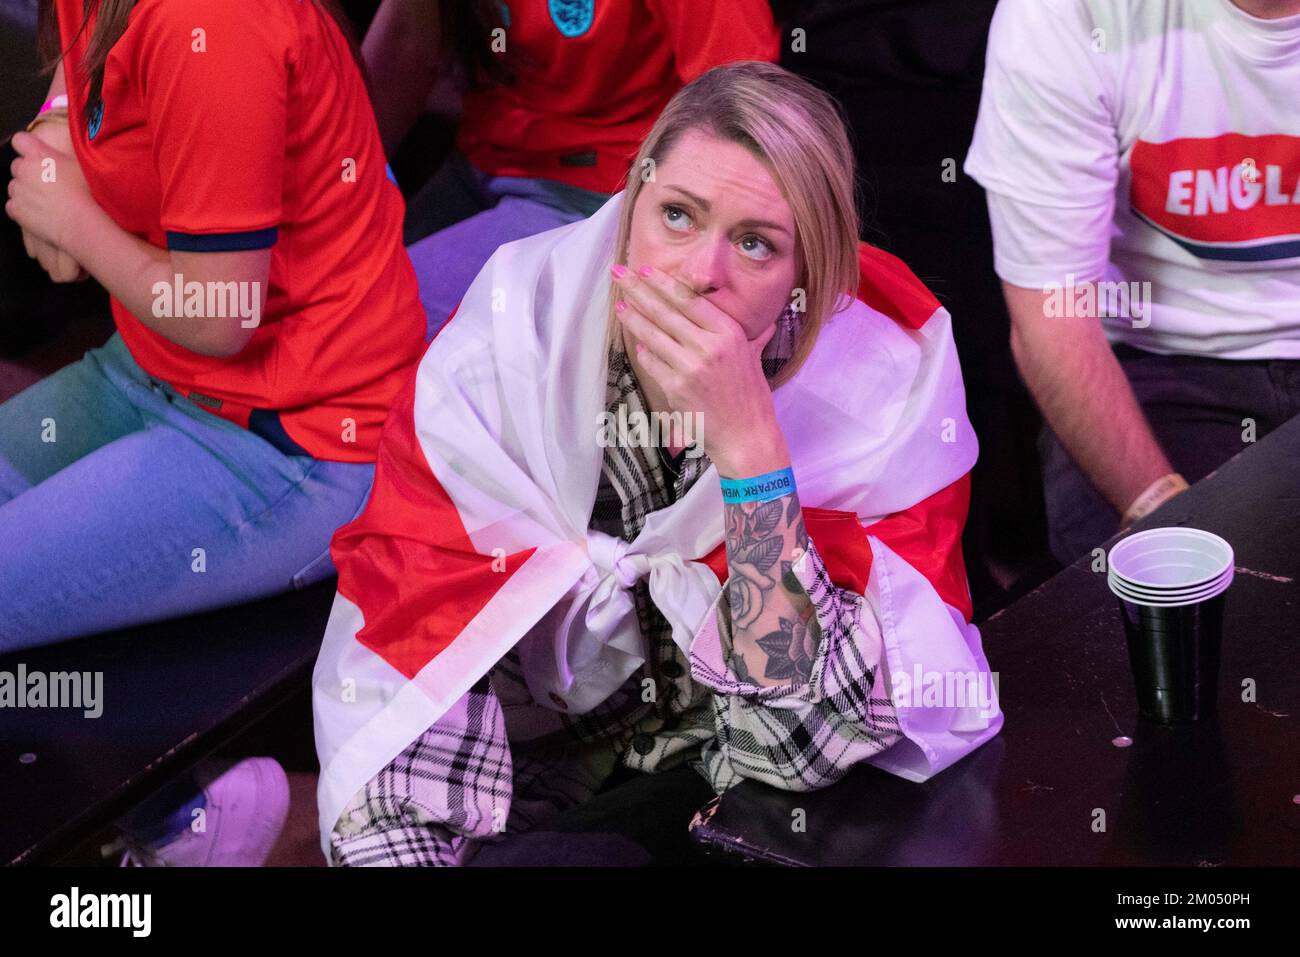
(172, 692)
(1053, 788)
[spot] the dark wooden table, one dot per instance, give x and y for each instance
(172, 692)
(1223, 791)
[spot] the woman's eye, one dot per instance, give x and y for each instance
(684, 220)
(760, 246)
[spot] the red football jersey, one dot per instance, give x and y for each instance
(243, 124)
(591, 77)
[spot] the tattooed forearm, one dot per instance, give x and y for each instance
(773, 628)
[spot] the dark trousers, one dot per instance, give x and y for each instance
(637, 820)
(1201, 411)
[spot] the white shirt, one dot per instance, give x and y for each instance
(1150, 141)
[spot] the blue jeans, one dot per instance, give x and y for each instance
(457, 221)
(123, 502)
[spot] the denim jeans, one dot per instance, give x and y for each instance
(123, 502)
(457, 221)
(1201, 411)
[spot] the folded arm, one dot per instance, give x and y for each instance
(825, 705)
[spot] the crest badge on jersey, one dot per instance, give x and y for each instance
(95, 119)
(572, 17)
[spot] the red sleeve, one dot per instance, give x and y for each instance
(215, 76)
(703, 36)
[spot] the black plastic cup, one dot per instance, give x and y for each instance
(1171, 584)
(1174, 654)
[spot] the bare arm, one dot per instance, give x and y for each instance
(130, 268)
(56, 134)
(56, 262)
(74, 233)
(49, 198)
(57, 83)
(773, 626)
(1085, 397)
(401, 54)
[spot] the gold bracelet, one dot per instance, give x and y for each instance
(1153, 497)
(54, 113)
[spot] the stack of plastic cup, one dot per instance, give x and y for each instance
(1170, 583)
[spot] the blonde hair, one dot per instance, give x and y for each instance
(798, 131)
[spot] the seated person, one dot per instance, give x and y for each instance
(1142, 165)
(586, 546)
(559, 97)
(265, 313)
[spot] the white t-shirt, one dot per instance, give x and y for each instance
(1149, 141)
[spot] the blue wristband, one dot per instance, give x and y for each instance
(760, 488)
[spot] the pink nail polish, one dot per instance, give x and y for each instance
(619, 270)
(620, 306)
(644, 270)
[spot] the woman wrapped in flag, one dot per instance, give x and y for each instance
(680, 483)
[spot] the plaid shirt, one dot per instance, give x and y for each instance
(498, 763)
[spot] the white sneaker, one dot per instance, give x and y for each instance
(247, 804)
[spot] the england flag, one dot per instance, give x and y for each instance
(475, 538)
